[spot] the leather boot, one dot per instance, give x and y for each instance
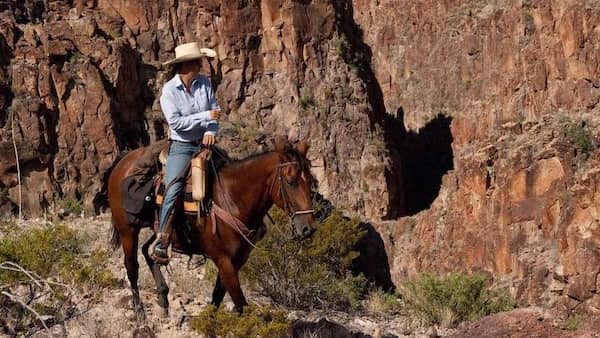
(161, 253)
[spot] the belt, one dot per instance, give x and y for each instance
(195, 143)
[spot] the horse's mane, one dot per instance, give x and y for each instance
(223, 160)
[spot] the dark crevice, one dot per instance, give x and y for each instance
(358, 55)
(426, 157)
(129, 136)
(6, 95)
(28, 11)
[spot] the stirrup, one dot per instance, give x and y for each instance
(160, 256)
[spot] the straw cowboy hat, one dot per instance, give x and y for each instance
(190, 51)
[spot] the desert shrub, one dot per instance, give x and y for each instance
(91, 271)
(450, 300)
(7, 226)
(43, 250)
(254, 322)
(71, 206)
(578, 134)
(306, 101)
(381, 302)
(574, 322)
(311, 274)
(54, 251)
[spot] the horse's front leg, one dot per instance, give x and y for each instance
(219, 290)
(228, 276)
(218, 293)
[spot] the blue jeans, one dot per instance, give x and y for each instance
(180, 154)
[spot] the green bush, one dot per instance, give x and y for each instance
(579, 136)
(311, 274)
(54, 251)
(450, 300)
(574, 322)
(72, 206)
(55, 258)
(254, 322)
(306, 101)
(381, 302)
(43, 251)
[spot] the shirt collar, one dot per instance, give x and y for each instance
(179, 83)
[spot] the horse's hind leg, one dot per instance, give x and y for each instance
(130, 243)
(162, 289)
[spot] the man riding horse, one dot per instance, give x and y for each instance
(192, 113)
(246, 190)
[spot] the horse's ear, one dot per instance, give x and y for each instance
(302, 146)
(279, 143)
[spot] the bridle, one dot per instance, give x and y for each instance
(283, 193)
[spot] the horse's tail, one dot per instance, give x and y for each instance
(115, 238)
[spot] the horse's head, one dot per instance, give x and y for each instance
(291, 189)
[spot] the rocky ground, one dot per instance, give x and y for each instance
(109, 313)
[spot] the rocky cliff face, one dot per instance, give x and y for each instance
(483, 62)
(85, 78)
(425, 117)
(517, 203)
(521, 205)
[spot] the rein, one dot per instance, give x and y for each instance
(225, 212)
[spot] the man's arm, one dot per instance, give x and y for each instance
(212, 126)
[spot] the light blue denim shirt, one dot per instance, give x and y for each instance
(188, 114)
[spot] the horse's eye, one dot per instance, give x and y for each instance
(291, 182)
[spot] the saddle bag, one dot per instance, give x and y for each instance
(138, 200)
(198, 179)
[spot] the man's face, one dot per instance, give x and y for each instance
(194, 66)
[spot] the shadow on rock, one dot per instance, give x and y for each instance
(373, 261)
(426, 157)
(323, 329)
(419, 159)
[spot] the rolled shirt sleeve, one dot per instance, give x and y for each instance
(212, 126)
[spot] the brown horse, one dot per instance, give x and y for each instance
(247, 189)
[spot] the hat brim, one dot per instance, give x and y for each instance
(204, 52)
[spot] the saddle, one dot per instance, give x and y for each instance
(143, 190)
(196, 176)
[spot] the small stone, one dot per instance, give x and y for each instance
(73, 14)
(144, 332)
(431, 332)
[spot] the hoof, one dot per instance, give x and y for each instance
(140, 315)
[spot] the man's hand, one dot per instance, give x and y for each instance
(208, 139)
(215, 114)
